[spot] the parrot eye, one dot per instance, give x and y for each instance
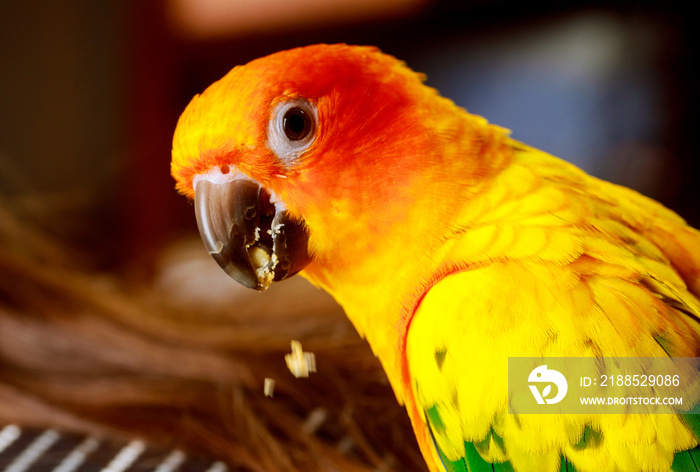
(296, 124)
(292, 128)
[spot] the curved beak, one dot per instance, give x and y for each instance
(251, 237)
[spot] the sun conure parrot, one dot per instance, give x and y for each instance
(450, 246)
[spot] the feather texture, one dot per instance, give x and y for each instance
(570, 270)
(452, 247)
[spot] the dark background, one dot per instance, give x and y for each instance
(90, 93)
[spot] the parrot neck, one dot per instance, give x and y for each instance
(379, 310)
(382, 270)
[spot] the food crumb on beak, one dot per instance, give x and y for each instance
(263, 263)
(259, 257)
(300, 363)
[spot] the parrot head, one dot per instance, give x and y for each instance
(294, 155)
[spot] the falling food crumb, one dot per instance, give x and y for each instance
(300, 363)
(269, 387)
(316, 418)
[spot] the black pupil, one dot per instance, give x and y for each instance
(296, 124)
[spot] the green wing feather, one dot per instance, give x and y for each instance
(686, 461)
(472, 461)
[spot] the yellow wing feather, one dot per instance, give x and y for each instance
(562, 264)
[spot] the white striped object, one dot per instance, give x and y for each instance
(172, 462)
(125, 457)
(34, 451)
(8, 435)
(77, 456)
(217, 467)
(42, 453)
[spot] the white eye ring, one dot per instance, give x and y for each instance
(292, 128)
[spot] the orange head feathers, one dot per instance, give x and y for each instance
(370, 128)
(366, 121)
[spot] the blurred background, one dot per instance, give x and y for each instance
(89, 96)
